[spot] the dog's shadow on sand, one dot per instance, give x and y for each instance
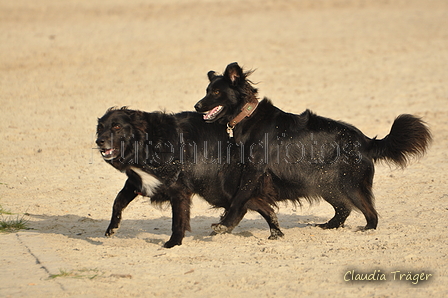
(156, 230)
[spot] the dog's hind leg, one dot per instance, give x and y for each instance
(238, 207)
(342, 211)
(180, 204)
(361, 196)
(363, 200)
(124, 197)
(268, 214)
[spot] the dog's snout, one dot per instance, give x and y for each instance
(198, 106)
(100, 141)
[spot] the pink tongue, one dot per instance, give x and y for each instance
(211, 112)
(109, 152)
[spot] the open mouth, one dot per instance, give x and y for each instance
(210, 115)
(109, 154)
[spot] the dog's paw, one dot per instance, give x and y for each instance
(276, 234)
(322, 226)
(110, 232)
(221, 229)
(328, 225)
(364, 229)
(171, 243)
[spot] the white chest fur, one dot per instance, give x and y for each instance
(149, 182)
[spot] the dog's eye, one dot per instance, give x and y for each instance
(116, 127)
(216, 92)
(99, 128)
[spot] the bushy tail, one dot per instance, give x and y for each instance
(409, 137)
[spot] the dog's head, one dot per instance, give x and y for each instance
(226, 94)
(115, 130)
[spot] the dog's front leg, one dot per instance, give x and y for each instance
(180, 204)
(124, 197)
(238, 208)
(229, 222)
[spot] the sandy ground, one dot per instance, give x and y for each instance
(63, 63)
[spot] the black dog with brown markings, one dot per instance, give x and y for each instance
(304, 156)
(171, 157)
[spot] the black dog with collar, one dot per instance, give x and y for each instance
(305, 156)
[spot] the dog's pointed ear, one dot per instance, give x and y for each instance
(233, 73)
(211, 74)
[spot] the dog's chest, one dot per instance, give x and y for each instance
(149, 182)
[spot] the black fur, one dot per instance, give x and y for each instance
(181, 155)
(306, 156)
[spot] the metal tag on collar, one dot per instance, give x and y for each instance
(230, 130)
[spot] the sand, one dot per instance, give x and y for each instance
(63, 63)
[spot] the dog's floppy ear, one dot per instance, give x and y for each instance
(138, 121)
(233, 73)
(211, 74)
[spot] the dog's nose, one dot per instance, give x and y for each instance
(198, 106)
(100, 141)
